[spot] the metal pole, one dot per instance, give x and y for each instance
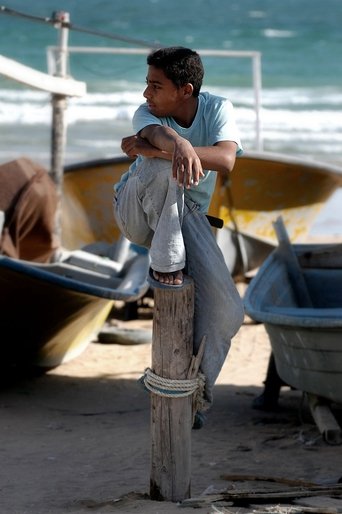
(59, 104)
(257, 99)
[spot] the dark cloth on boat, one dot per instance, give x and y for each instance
(28, 198)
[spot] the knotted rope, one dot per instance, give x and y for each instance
(176, 388)
(172, 388)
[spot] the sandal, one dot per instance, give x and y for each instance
(155, 283)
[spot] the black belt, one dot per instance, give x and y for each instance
(215, 222)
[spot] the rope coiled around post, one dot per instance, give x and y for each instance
(172, 388)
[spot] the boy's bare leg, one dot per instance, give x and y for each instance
(173, 279)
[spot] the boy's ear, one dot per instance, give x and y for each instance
(188, 90)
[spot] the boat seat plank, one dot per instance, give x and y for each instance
(327, 256)
(91, 262)
(85, 275)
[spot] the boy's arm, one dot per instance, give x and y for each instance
(135, 145)
(164, 142)
(219, 157)
(187, 161)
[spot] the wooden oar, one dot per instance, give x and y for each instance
(295, 272)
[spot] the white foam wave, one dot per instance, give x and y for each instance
(284, 119)
(273, 33)
(313, 121)
(21, 95)
(115, 98)
(289, 97)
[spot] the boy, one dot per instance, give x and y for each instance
(161, 202)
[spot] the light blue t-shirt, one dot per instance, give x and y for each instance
(214, 122)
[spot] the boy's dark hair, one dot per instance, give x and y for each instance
(180, 65)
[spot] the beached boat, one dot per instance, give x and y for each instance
(302, 314)
(54, 301)
(262, 187)
(50, 312)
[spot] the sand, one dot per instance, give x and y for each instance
(77, 439)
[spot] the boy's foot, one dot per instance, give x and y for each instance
(171, 279)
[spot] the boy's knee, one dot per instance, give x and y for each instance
(154, 171)
(155, 164)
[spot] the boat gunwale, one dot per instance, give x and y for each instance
(41, 271)
(333, 169)
(292, 316)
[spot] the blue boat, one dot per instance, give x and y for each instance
(51, 312)
(305, 336)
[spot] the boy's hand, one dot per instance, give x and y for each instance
(136, 145)
(186, 165)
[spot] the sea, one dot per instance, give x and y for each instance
(299, 43)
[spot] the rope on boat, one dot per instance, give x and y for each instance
(60, 23)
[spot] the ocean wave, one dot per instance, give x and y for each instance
(310, 109)
(276, 120)
(313, 121)
(272, 33)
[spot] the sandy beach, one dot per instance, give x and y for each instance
(77, 439)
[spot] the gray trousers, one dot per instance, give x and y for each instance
(151, 211)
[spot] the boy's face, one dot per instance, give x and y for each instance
(162, 96)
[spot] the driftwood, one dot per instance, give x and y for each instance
(297, 510)
(282, 495)
(260, 478)
(324, 419)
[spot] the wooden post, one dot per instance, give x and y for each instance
(59, 104)
(58, 137)
(171, 418)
